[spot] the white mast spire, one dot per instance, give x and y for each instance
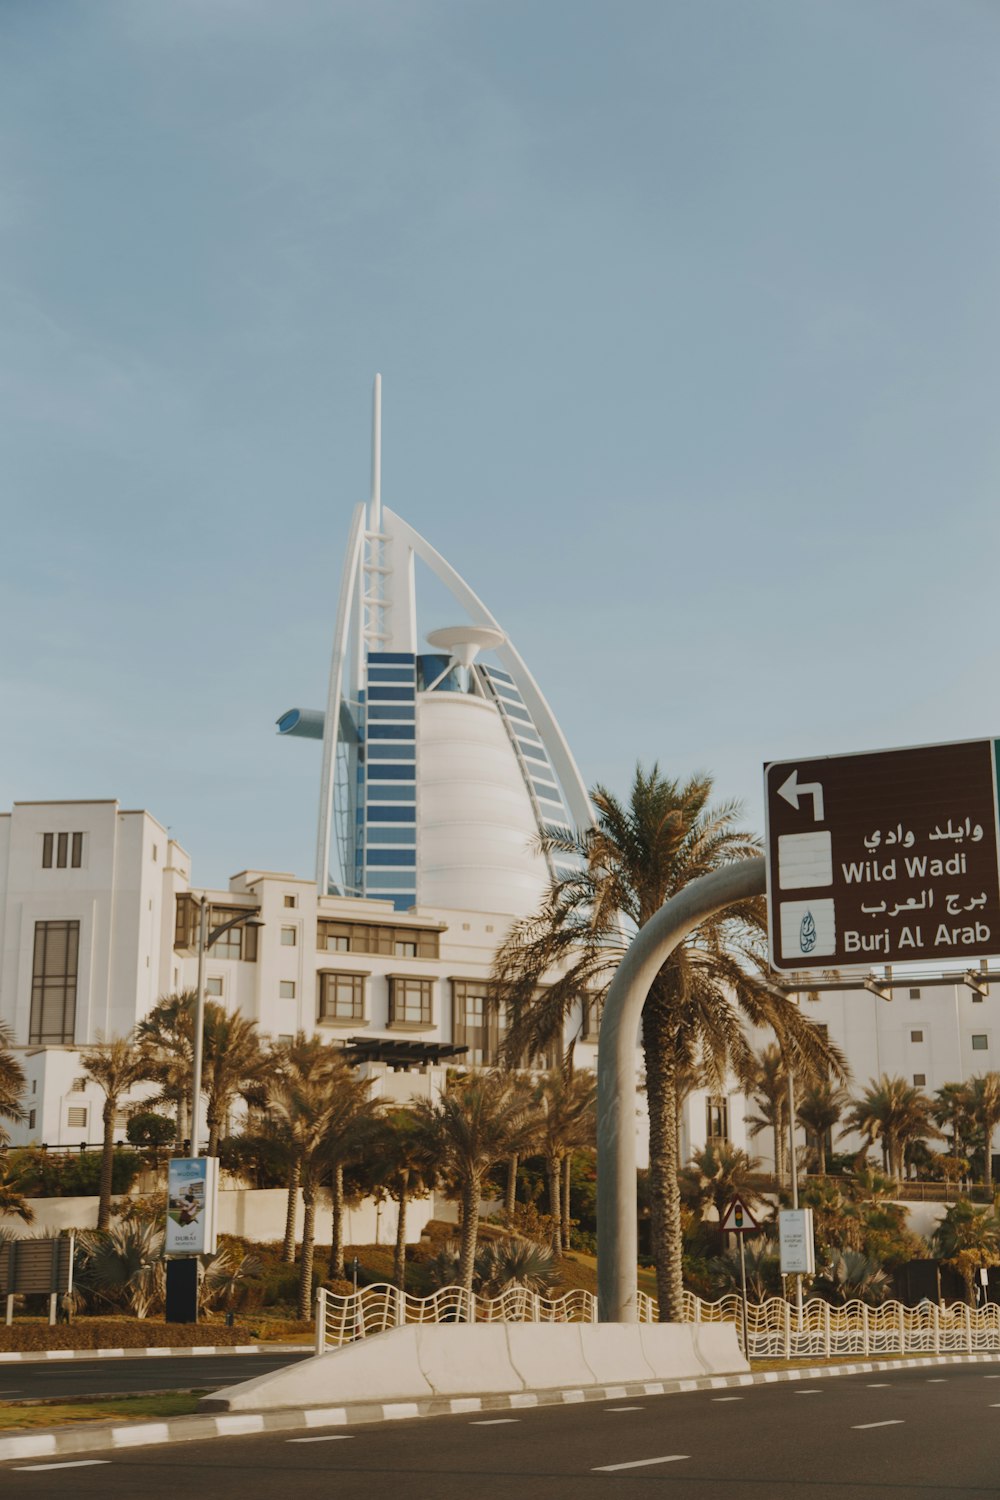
(375, 514)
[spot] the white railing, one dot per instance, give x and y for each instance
(774, 1330)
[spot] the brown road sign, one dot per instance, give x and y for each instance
(887, 857)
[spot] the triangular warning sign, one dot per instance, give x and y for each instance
(738, 1219)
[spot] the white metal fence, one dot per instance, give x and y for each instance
(773, 1327)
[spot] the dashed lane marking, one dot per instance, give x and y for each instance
(813, 1392)
(879, 1385)
(640, 1463)
(727, 1398)
(864, 1426)
(624, 1408)
(70, 1463)
(328, 1437)
(936, 1380)
(495, 1422)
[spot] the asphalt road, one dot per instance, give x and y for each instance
(929, 1434)
(79, 1379)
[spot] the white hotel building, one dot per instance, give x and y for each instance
(440, 763)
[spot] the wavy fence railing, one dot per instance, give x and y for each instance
(774, 1328)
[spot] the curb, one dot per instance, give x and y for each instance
(55, 1442)
(42, 1356)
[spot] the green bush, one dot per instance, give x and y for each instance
(151, 1129)
(43, 1174)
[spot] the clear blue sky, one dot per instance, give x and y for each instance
(688, 316)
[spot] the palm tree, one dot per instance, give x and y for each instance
(636, 857)
(12, 1084)
(984, 1100)
(479, 1122)
(566, 1107)
(116, 1066)
(818, 1110)
(310, 1109)
(716, 1175)
(233, 1062)
(404, 1167)
(953, 1108)
(294, 1061)
(850, 1276)
(12, 1201)
(770, 1088)
(894, 1113)
(967, 1238)
(167, 1034)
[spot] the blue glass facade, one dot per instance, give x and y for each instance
(387, 855)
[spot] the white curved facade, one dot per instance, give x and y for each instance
(475, 820)
(442, 762)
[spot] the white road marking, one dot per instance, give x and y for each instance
(640, 1463)
(864, 1426)
(727, 1398)
(70, 1463)
(879, 1385)
(624, 1408)
(495, 1422)
(813, 1392)
(329, 1437)
(936, 1380)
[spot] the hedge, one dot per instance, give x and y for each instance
(119, 1333)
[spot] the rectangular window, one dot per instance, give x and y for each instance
(717, 1119)
(62, 850)
(914, 994)
(920, 1080)
(286, 989)
(409, 1001)
(213, 986)
(288, 937)
(593, 1010)
(47, 851)
(916, 1036)
(31, 1119)
(291, 900)
(78, 1086)
(238, 942)
(479, 1022)
(53, 983)
(980, 1043)
(76, 1117)
(341, 997)
(76, 858)
(366, 937)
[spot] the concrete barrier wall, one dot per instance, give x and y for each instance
(425, 1360)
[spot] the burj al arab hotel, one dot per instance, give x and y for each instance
(442, 761)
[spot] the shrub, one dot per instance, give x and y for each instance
(119, 1333)
(150, 1129)
(41, 1174)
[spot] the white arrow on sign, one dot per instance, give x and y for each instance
(793, 789)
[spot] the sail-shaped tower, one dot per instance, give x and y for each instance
(442, 761)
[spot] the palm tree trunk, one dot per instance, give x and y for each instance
(510, 1200)
(988, 1158)
(555, 1201)
(470, 1231)
(664, 1191)
(337, 1230)
(107, 1165)
(214, 1132)
(399, 1258)
(288, 1246)
(567, 1187)
(306, 1261)
(821, 1153)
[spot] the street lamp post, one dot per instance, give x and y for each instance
(249, 918)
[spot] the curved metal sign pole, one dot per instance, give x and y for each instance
(617, 1241)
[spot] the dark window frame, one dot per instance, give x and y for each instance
(411, 1001)
(330, 1008)
(51, 985)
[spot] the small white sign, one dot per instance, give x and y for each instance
(192, 1190)
(796, 1241)
(808, 929)
(805, 860)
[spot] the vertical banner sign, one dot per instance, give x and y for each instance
(796, 1241)
(887, 857)
(192, 1191)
